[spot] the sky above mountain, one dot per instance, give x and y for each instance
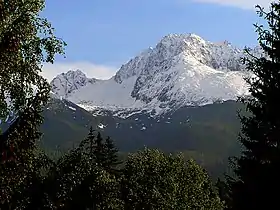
(103, 34)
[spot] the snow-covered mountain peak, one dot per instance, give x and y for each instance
(174, 44)
(171, 38)
(65, 83)
(219, 56)
(73, 75)
(181, 70)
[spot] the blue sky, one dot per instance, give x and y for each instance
(103, 34)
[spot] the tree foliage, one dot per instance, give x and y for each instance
(26, 41)
(149, 179)
(80, 181)
(153, 180)
(257, 174)
(104, 153)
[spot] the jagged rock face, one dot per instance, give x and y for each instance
(66, 83)
(216, 56)
(181, 70)
(133, 67)
(160, 66)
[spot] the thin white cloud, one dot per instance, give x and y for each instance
(92, 70)
(244, 4)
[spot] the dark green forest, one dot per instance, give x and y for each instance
(97, 172)
(206, 134)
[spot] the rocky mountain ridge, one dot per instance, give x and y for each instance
(182, 70)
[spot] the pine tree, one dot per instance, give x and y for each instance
(99, 151)
(257, 182)
(81, 181)
(111, 154)
(88, 145)
(93, 146)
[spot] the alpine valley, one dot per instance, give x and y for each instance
(179, 96)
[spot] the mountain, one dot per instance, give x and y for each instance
(178, 96)
(206, 133)
(65, 124)
(182, 70)
(207, 128)
(66, 83)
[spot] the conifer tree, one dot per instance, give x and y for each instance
(88, 145)
(99, 150)
(102, 152)
(80, 180)
(93, 146)
(111, 154)
(256, 184)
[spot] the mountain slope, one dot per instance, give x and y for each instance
(182, 70)
(207, 133)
